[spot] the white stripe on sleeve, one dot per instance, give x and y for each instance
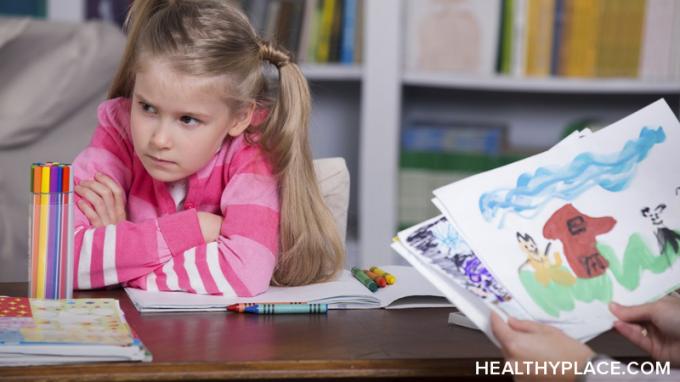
(151, 284)
(213, 261)
(192, 271)
(84, 273)
(170, 275)
(110, 271)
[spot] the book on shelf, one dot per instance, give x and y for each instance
(32, 8)
(557, 236)
(41, 332)
(436, 150)
(410, 290)
(459, 36)
(539, 37)
(655, 58)
(315, 31)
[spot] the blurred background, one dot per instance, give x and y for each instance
(414, 94)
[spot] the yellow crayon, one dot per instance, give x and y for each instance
(388, 277)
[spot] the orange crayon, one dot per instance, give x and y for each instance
(376, 278)
(388, 277)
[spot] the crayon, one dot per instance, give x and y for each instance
(240, 307)
(361, 276)
(377, 279)
(286, 309)
(388, 277)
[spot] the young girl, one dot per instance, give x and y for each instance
(196, 179)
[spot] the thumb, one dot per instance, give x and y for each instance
(500, 329)
(634, 313)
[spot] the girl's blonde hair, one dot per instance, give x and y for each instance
(215, 38)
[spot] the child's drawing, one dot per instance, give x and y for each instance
(544, 270)
(440, 243)
(612, 172)
(664, 236)
(577, 232)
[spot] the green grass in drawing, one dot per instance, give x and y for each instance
(637, 258)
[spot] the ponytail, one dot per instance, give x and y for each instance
(311, 248)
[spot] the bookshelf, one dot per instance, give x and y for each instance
(536, 110)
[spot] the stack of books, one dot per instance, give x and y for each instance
(557, 236)
(41, 332)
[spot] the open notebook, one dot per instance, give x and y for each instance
(410, 291)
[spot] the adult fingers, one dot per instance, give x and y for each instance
(86, 191)
(634, 313)
(90, 213)
(527, 326)
(118, 196)
(635, 334)
(501, 330)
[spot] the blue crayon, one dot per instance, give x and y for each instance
(286, 309)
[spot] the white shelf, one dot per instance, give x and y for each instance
(538, 85)
(332, 72)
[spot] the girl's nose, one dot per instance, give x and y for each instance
(161, 138)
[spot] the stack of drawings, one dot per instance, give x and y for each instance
(557, 236)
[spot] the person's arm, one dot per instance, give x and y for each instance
(109, 254)
(240, 262)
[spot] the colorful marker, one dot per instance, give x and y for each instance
(286, 309)
(388, 277)
(377, 279)
(240, 307)
(361, 276)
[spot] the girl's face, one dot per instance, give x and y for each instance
(179, 121)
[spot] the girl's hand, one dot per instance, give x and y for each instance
(210, 225)
(522, 340)
(103, 200)
(654, 327)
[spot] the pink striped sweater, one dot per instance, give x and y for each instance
(161, 248)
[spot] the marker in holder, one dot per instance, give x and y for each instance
(50, 232)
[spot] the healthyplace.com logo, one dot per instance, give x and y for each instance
(603, 367)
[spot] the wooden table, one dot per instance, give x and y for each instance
(411, 344)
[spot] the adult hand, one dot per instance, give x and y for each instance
(654, 327)
(523, 340)
(103, 200)
(210, 225)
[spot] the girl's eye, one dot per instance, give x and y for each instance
(189, 121)
(147, 108)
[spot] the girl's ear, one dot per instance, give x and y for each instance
(242, 119)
